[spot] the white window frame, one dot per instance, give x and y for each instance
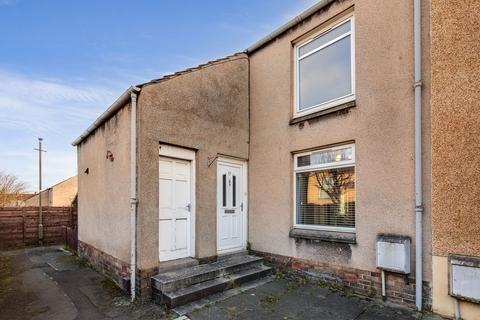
(336, 101)
(310, 168)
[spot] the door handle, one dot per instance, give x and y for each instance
(188, 207)
(241, 206)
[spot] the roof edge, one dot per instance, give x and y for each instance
(125, 97)
(280, 30)
(117, 105)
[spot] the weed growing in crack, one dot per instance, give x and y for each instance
(269, 298)
(291, 286)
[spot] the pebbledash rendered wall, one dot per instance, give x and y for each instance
(103, 162)
(455, 144)
(381, 124)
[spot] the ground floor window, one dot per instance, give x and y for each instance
(324, 186)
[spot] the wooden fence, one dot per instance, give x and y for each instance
(19, 225)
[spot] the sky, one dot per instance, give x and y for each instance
(62, 63)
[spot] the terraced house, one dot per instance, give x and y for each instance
(327, 148)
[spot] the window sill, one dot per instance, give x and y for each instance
(336, 109)
(322, 235)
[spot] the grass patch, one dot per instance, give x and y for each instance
(269, 298)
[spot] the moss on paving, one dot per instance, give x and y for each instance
(269, 298)
(6, 276)
(291, 286)
(79, 261)
(111, 287)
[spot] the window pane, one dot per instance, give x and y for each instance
(331, 156)
(326, 197)
(325, 75)
(234, 191)
(224, 190)
(324, 38)
(327, 156)
(303, 161)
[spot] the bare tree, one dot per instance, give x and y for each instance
(10, 188)
(335, 182)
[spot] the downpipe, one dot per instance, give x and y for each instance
(133, 193)
(418, 153)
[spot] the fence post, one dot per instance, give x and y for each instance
(23, 227)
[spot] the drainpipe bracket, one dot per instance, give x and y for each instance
(417, 84)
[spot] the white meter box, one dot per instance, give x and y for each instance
(393, 253)
(465, 278)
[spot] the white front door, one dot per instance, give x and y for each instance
(174, 208)
(230, 206)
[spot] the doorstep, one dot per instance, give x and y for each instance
(171, 265)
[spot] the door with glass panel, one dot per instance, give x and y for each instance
(230, 207)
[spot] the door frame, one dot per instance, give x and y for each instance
(180, 153)
(244, 164)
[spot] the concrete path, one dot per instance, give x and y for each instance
(49, 283)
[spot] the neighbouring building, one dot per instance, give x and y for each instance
(455, 54)
(303, 150)
(61, 194)
(19, 200)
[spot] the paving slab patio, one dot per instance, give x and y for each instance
(284, 299)
(49, 283)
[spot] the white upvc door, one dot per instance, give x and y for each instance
(174, 208)
(231, 207)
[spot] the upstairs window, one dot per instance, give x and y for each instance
(325, 69)
(324, 187)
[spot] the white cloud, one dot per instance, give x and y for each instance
(40, 104)
(32, 107)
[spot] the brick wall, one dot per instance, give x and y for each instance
(19, 225)
(400, 289)
(118, 271)
(144, 283)
(112, 267)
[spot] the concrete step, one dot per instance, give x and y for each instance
(172, 265)
(185, 277)
(203, 289)
(229, 255)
